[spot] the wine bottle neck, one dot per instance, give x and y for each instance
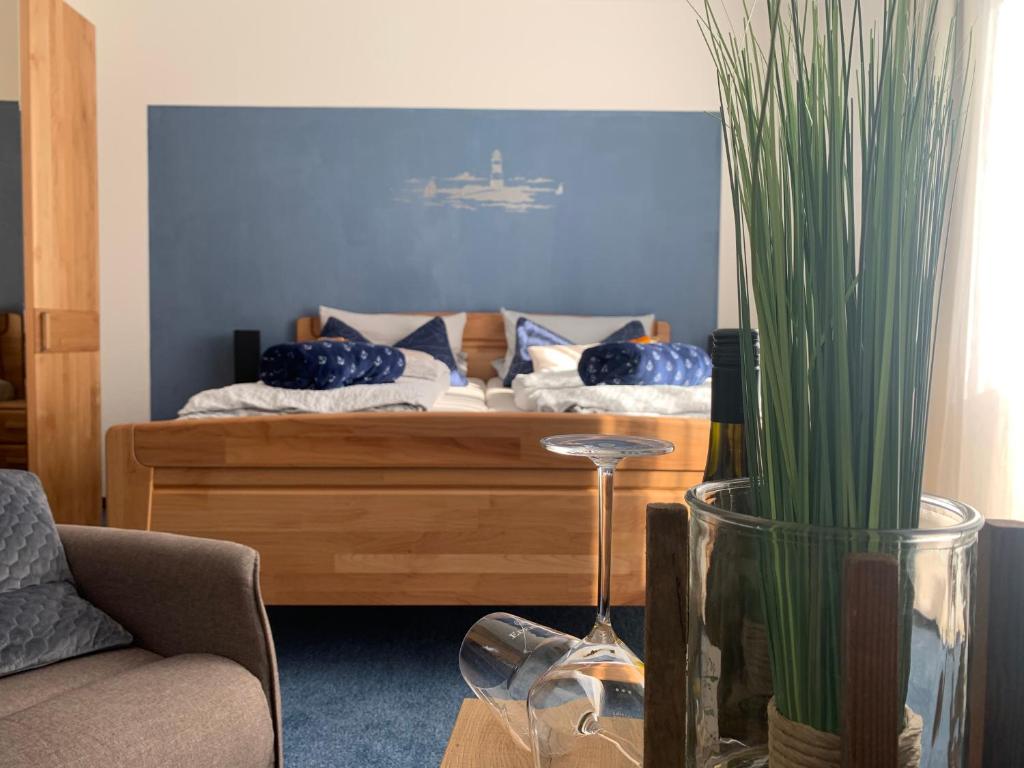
(727, 454)
(726, 395)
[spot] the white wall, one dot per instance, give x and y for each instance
(9, 83)
(503, 54)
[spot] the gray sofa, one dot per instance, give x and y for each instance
(198, 688)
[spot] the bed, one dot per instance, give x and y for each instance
(435, 508)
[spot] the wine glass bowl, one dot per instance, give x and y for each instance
(501, 657)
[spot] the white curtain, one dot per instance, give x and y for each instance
(976, 433)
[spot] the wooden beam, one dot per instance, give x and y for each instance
(996, 678)
(665, 636)
(61, 232)
(872, 708)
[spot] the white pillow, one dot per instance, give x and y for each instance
(380, 328)
(557, 357)
(580, 329)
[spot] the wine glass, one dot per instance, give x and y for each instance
(587, 709)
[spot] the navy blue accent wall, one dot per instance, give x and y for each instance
(12, 280)
(257, 215)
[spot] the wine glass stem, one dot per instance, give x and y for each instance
(605, 484)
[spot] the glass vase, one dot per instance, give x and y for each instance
(765, 613)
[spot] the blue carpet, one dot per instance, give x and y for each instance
(380, 687)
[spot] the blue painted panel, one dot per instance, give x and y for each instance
(257, 215)
(11, 246)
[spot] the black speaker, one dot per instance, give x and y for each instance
(247, 356)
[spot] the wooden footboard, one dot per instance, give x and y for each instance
(398, 508)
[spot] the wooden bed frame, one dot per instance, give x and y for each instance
(403, 508)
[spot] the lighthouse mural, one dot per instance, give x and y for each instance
(470, 192)
(497, 174)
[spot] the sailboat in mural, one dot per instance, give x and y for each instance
(467, 191)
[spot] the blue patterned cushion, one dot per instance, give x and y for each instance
(328, 364)
(532, 334)
(627, 362)
(432, 338)
(338, 329)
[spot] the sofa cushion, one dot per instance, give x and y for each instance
(196, 710)
(42, 617)
(26, 689)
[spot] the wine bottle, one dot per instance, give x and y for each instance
(732, 568)
(727, 449)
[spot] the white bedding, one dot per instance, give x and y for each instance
(564, 391)
(499, 397)
(471, 398)
(418, 389)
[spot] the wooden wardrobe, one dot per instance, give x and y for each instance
(61, 230)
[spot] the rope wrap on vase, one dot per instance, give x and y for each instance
(795, 745)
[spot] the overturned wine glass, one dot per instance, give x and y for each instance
(588, 707)
(501, 657)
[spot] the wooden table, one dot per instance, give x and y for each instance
(479, 741)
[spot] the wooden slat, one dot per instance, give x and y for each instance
(442, 589)
(424, 564)
(13, 456)
(13, 422)
(12, 352)
(872, 711)
(996, 680)
(58, 112)
(311, 478)
(13, 435)
(68, 331)
(665, 636)
(417, 545)
(394, 440)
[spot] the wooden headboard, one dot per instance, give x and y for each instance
(12, 352)
(483, 340)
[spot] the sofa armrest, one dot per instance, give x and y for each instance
(179, 594)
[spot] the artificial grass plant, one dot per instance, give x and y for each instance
(842, 140)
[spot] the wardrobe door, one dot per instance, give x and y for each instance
(58, 113)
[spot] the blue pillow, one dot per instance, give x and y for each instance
(432, 338)
(627, 362)
(327, 364)
(533, 334)
(338, 329)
